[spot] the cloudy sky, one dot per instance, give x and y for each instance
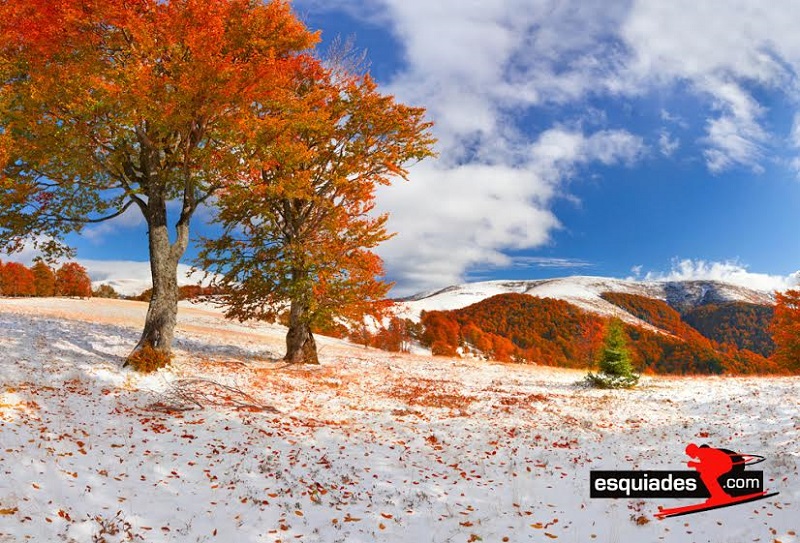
(622, 138)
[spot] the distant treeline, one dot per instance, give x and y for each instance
(186, 292)
(71, 279)
(18, 280)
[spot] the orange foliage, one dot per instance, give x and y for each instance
(745, 325)
(185, 292)
(16, 280)
(396, 337)
(687, 351)
(518, 327)
(44, 279)
(786, 330)
(72, 280)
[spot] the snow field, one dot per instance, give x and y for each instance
(369, 446)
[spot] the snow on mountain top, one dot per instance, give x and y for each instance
(369, 446)
(584, 292)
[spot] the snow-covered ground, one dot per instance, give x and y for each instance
(369, 446)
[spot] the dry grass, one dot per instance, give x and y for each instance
(430, 393)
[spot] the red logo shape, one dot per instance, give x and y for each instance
(711, 464)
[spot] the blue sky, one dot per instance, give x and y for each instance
(631, 138)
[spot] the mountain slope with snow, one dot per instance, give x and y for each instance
(585, 292)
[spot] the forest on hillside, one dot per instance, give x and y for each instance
(522, 328)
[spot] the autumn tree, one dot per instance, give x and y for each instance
(105, 291)
(786, 330)
(72, 280)
(16, 280)
(44, 279)
(299, 229)
(142, 105)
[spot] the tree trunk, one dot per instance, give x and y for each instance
(300, 345)
(162, 313)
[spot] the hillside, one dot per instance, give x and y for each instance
(685, 349)
(735, 323)
(229, 444)
(732, 334)
(586, 293)
(553, 332)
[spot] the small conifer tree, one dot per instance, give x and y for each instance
(616, 370)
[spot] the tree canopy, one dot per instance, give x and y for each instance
(300, 225)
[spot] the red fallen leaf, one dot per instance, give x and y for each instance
(551, 536)
(387, 515)
(9, 511)
(466, 524)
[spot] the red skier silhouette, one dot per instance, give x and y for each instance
(711, 464)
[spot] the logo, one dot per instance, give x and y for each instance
(717, 474)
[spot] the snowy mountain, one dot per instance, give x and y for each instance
(585, 292)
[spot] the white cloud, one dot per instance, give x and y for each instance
(450, 218)
(99, 233)
(794, 139)
(731, 272)
(667, 144)
(735, 137)
(718, 49)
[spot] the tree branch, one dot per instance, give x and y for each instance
(94, 221)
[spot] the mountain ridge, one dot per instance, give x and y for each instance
(586, 293)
